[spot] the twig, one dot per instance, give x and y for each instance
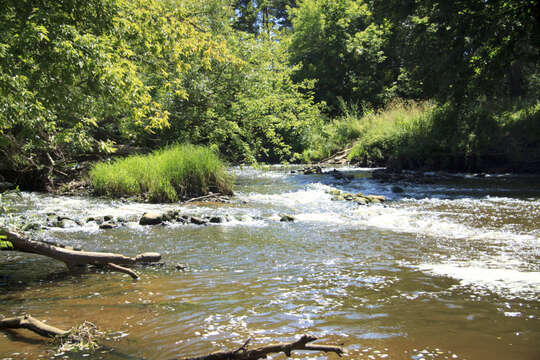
(204, 197)
(124, 270)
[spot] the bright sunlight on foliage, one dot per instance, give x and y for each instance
(167, 175)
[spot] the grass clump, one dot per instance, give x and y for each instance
(168, 175)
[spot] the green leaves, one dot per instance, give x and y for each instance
(338, 44)
(4, 244)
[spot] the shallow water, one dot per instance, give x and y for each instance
(442, 271)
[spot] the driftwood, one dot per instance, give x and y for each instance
(32, 324)
(243, 353)
(75, 259)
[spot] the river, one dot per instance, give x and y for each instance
(448, 270)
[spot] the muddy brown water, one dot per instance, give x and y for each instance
(449, 270)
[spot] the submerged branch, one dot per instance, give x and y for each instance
(243, 353)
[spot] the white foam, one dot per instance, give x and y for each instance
(499, 280)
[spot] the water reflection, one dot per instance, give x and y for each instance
(447, 270)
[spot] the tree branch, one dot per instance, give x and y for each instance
(243, 353)
(73, 258)
(32, 324)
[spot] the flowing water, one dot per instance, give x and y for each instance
(449, 270)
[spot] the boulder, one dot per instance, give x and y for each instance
(151, 219)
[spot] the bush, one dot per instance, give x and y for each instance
(166, 175)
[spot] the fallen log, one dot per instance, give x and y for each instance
(74, 258)
(243, 353)
(32, 324)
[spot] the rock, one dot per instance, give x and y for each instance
(180, 267)
(334, 192)
(375, 198)
(361, 201)
(216, 220)
(108, 225)
(97, 219)
(6, 185)
(108, 218)
(170, 215)
(64, 223)
(312, 170)
(31, 226)
(181, 220)
(197, 221)
(151, 219)
(340, 175)
(396, 189)
(338, 198)
(286, 218)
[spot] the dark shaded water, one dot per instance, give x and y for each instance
(441, 271)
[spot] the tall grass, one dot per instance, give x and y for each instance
(166, 175)
(401, 127)
(328, 137)
(476, 137)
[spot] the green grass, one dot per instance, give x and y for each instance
(486, 136)
(167, 175)
(398, 128)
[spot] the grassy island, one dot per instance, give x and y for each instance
(166, 175)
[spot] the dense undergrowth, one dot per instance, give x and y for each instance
(422, 135)
(167, 175)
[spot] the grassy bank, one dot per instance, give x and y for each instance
(167, 175)
(484, 137)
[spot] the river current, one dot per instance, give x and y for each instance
(447, 270)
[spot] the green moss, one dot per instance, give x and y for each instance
(166, 175)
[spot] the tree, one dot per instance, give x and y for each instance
(76, 76)
(462, 51)
(254, 16)
(338, 44)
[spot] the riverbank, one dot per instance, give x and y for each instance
(428, 137)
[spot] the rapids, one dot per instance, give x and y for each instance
(449, 270)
